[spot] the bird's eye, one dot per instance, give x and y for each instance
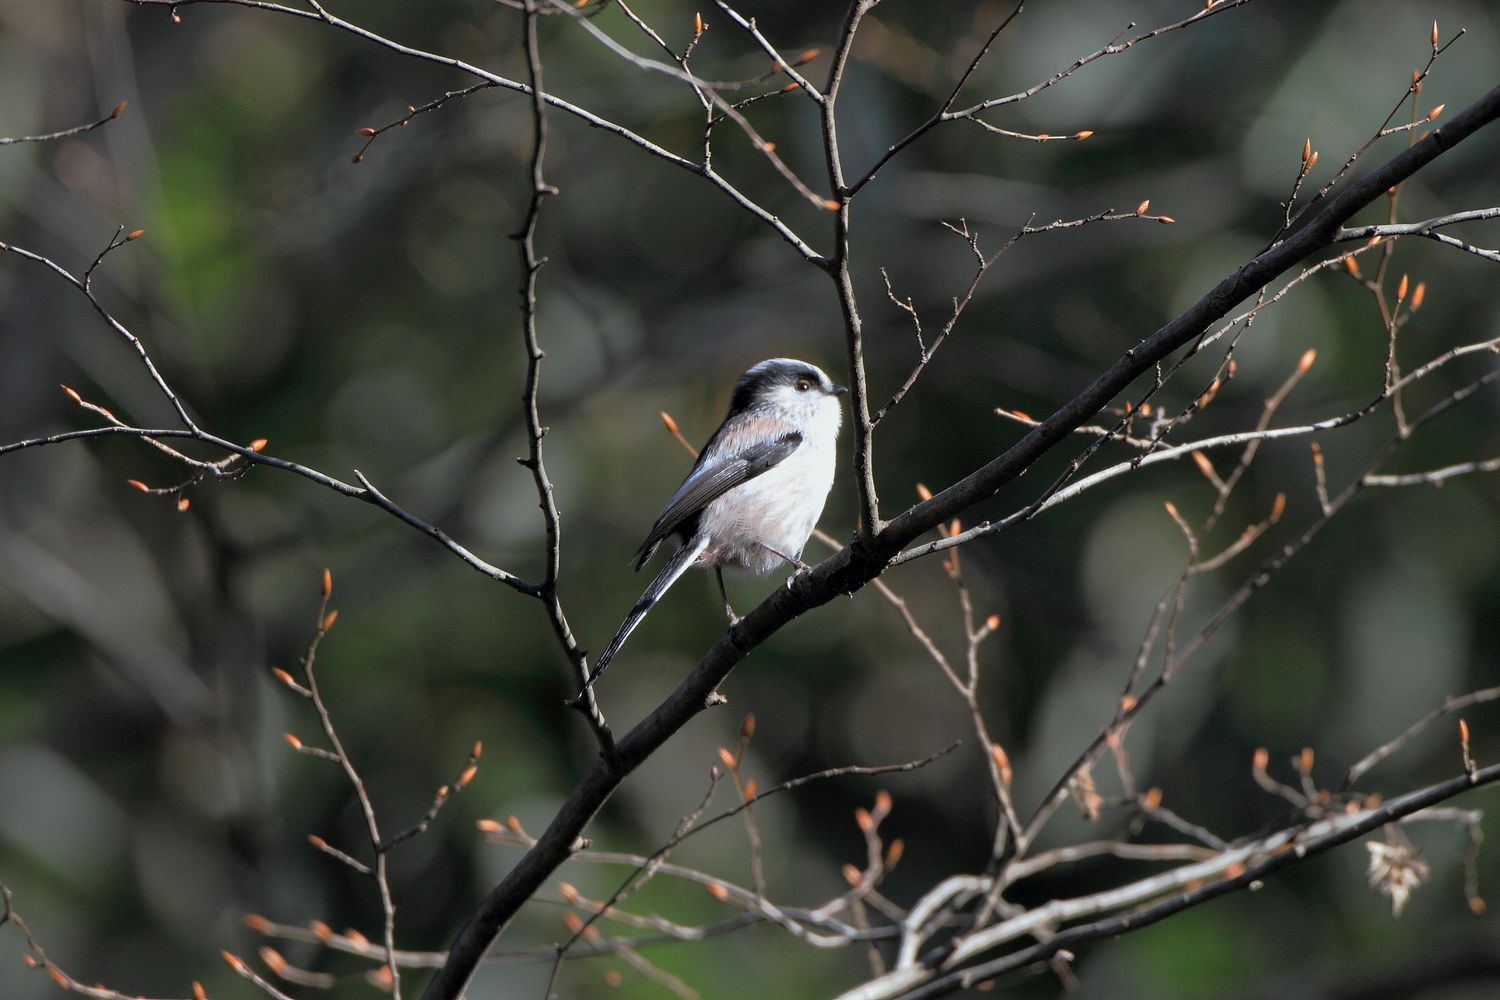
(803, 384)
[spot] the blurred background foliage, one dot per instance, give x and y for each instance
(364, 316)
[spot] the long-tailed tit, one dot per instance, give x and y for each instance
(757, 488)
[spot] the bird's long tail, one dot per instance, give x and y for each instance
(675, 567)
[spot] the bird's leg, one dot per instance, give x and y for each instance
(797, 564)
(734, 619)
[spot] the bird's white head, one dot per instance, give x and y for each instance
(790, 389)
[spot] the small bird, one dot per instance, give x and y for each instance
(757, 489)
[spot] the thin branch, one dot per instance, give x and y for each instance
(66, 133)
(583, 114)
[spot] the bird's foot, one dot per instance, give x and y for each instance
(714, 699)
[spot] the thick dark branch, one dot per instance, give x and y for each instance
(1318, 232)
(853, 567)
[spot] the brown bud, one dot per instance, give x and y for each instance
(992, 622)
(1172, 511)
(235, 962)
(1002, 762)
(863, 819)
(1141, 208)
(1476, 905)
(790, 87)
(366, 132)
(808, 55)
(1434, 34)
(355, 936)
(832, 204)
(320, 930)
(327, 586)
(272, 959)
(1128, 703)
(923, 493)
(467, 775)
(893, 853)
(1306, 361)
(1306, 150)
(489, 825)
(292, 741)
(613, 977)
(134, 234)
(1152, 798)
(257, 923)
(698, 24)
(769, 147)
(513, 824)
(1261, 759)
(1305, 760)
(329, 619)
(73, 394)
(747, 726)
(1418, 295)
(669, 423)
(183, 503)
(1085, 134)
(119, 109)
(199, 993)
(1165, 220)
(1204, 465)
(717, 891)
(572, 921)
(1278, 507)
(1463, 730)
(750, 790)
(259, 444)
(1234, 869)
(1352, 266)
(728, 758)
(477, 750)
(1401, 289)
(1432, 115)
(284, 677)
(316, 841)
(1312, 161)
(137, 484)
(568, 890)
(851, 874)
(883, 802)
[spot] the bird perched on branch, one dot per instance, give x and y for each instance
(757, 489)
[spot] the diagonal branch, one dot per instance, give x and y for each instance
(852, 568)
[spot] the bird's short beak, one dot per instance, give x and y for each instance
(839, 390)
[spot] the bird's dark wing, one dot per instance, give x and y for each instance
(721, 468)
